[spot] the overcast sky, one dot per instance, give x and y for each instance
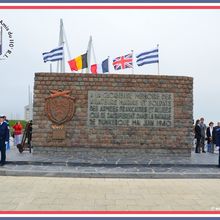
(189, 46)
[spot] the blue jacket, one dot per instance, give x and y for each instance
(217, 136)
(4, 132)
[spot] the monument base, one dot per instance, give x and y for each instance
(118, 156)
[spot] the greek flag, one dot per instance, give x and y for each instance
(54, 55)
(148, 57)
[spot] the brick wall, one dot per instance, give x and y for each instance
(175, 139)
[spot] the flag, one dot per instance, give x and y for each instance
(54, 55)
(123, 62)
(148, 57)
(100, 68)
(78, 63)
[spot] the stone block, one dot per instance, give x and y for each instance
(103, 124)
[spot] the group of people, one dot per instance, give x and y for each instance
(211, 134)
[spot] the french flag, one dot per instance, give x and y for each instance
(100, 68)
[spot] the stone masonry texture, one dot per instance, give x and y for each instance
(114, 140)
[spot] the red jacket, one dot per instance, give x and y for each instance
(17, 129)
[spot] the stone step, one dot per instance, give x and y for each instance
(179, 172)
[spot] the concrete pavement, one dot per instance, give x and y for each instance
(51, 193)
(26, 164)
(20, 189)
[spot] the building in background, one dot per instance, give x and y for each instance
(28, 109)
(27, 113)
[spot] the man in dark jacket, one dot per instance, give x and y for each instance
(4, 139)
(197, 135)
(203, 134)
(216, 135)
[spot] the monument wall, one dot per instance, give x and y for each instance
(113, 114)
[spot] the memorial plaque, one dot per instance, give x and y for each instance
(136, 109)
(58, 132)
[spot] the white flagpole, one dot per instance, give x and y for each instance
(61, 63)
(158, 67)
(67, 45)
(51, 68)
(132, 71)
(93, 52)
(89, 54)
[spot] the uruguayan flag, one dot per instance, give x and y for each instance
(148, 57)
(54, 55)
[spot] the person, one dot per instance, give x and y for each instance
(4, 139)
(214, 134)
(209, 134)
(7, 122)
(29, 134)
(17, 133)
(197, 136)
(203, 131)
(217, 139)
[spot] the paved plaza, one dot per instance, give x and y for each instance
(51, 193)
(31, 182)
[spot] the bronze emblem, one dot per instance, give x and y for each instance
(59, 106)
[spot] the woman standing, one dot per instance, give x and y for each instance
(209, 133)
(17, 133)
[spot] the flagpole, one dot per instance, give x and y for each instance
(108, 63)
(67, 45)
(132, 69)
(158, 67)
(51, 68)
(89, 54)
(61, 63)
(93, 51)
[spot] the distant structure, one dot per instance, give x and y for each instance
(27, 113)
(28, 109)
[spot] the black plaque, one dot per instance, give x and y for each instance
(130, 109)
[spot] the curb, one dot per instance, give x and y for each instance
(137, 175)
(58, 163)
(78, 170)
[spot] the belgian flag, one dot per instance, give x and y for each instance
(78, 63)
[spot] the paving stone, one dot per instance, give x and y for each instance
(144, 194)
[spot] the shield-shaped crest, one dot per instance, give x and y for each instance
(60, 107)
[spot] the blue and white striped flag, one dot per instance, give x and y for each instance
(148, 57)
(54, 55)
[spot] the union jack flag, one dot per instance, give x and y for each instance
(123, 62)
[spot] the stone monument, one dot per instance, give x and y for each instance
(113, 118)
